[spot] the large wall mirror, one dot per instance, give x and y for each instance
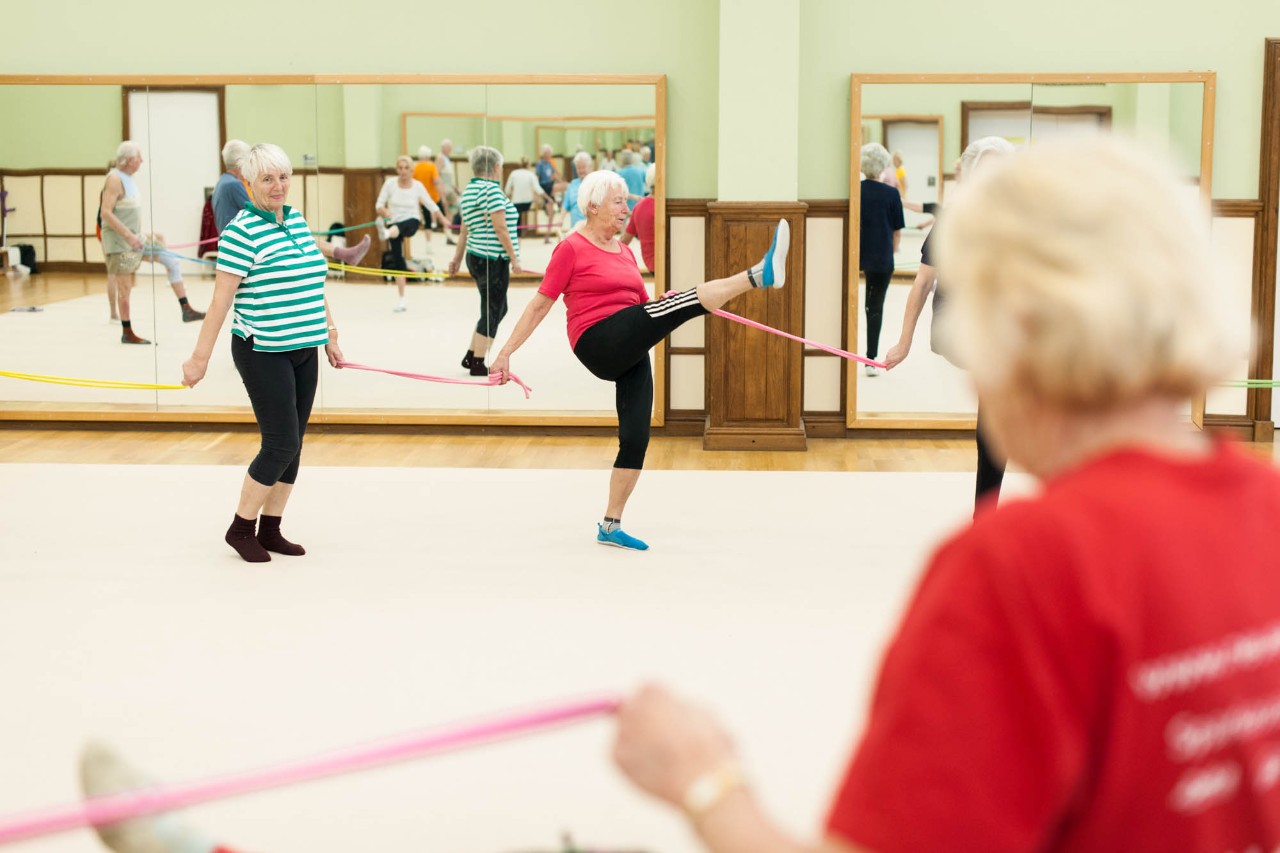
(343, 135)
(927, 120)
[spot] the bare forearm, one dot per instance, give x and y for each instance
(915, 303)
(739, 825)
(224, 291)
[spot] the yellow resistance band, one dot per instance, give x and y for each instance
(434, 276)
(93, 383)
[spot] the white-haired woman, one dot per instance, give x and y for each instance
(489, 240)
(398, 204)
(270, 277)
(879, 236)
(612, 324)
(979, 154)
(122, 244)
(1093, 668)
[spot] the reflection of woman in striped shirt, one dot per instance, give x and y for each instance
(270, 275)
(487, 237)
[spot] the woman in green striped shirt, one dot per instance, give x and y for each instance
(493, 251)
(270, 276)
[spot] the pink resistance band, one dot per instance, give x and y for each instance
(493, 378)
(118, 807)
(762, 327)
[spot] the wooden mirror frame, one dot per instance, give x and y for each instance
(374, 417)
(927, 421)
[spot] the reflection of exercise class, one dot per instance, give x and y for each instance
(329, 365)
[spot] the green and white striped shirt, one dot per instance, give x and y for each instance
(280, 300)
(480, 199)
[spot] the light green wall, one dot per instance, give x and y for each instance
(679, 38)
(64, 127)
(285, 115)
(839, 37)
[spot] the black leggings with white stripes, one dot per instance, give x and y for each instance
(616, 349)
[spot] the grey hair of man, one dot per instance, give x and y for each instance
(424, 152)
(264, 157)
(125, 152)
(582, 162)
(875, 159)
(485, 161)
(233, 153)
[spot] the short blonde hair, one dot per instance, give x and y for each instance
(598, 186)
(404, 158)
(874, 160)
(264, 157)
(1080, 274)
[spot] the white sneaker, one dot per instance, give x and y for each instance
(382, 230)
(872, 370)
(400, 309)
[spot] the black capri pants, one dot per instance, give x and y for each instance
(877, 290)
(493, 277)
(282, 387)
(616, 349)
(408, 227)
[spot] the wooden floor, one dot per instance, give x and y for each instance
(332, 448)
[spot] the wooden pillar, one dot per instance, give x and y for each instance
(754, 379)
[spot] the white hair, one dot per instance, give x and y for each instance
(424, 152)
(125, 152)
(976, 152)
(875, 159)
(1080, 275)
(485, 161)
(264, 157)
(233, 152)
(582, 157)
(597, 187)
(546, 149)
(404, 158)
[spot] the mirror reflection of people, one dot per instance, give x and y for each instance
(154, 251)
(548, 177)
(490, 242)
(426, 173)
(634, 175)
(640, 225)
(122, 243)
(581, 168)
(1082, 670)
(448, 185)
(230, 194)
(980, 153)
(398, 204)
(275, 332)
(524, 189)
(612, 325)
(607, 161)
(879, 236)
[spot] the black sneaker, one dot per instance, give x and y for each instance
(478, 368)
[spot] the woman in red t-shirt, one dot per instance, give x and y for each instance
(613, 325)
(1095, 669)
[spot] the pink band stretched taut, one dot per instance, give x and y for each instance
(491, 381)
(118, 807)
(762, 327)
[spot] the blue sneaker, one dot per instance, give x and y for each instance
(774, 272)
(618, 539)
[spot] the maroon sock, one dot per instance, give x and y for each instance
(240, 536)
(269, 537)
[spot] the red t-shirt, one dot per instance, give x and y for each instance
(641, 226)
(1096, 670)
(595, 283)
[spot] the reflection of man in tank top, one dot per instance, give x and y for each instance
(121, 237)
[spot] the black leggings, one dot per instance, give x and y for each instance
(616, 349)
(877, 289)
(990, 468)
(282, 387)
(408, 227)
(493, 276)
